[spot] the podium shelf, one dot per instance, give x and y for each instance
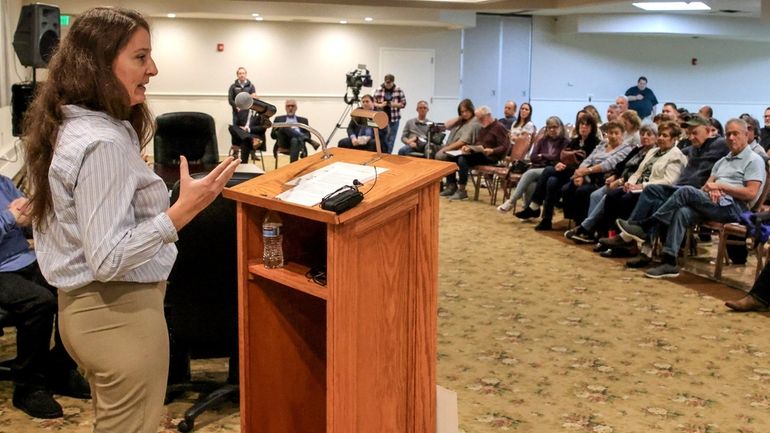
(292, 275)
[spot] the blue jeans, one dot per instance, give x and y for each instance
(529, 177)
(686, 207)
(390, 139)
(650, 200)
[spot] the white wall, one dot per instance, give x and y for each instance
(304, 61)
(731, 75)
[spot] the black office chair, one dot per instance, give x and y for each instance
(188, 133)
(202, 300)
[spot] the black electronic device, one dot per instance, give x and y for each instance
(37, 34)
(21, 97)
(342, 199)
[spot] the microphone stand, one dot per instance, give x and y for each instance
(324, 147)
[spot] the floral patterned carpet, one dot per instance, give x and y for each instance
(539, 335)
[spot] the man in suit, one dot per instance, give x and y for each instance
(291, 138)
(247, 135)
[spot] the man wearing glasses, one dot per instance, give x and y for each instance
(292, 139)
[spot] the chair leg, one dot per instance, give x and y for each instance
(262, 159)
(721, 254)
(476, 180)
(188, 423)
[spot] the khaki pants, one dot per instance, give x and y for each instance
(117, 334)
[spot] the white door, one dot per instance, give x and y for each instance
(415, 75)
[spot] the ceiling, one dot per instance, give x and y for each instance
(441, 13)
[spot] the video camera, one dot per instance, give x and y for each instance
(355, 80)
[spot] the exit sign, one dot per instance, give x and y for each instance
(64, 20)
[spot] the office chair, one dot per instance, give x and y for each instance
(190, 134)
(202, 299)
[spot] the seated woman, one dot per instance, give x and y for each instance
(545, 153)
(590, 175)
(632, 122)
(548, 189)
(361, 136)
(662, 165)
(524, 121)
(463, 131)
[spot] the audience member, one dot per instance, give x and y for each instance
(548, 189)
(732, 188)
(594, 112)
(294, 138)
(545, 153)
(247, 135)
(415, 135)
(241, 84)
(491, 146)
(670, 112)
(37, 372)
(642, 99)
(463, 130)
(524, 120)
(361, 136)
(509, 114)
(758, 297)
(622, 103)
(632, 123)
(764, 133)
(390, 99)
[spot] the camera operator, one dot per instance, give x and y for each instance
(361, 135)
(415, 135)
(390, 99)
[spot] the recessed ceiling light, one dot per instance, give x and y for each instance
(259, 18)
(343, 22)
(171, 15)
(255, 15)
(368, 19)
(673, 6)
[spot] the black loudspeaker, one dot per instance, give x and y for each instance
(37, 34)
(21, 96)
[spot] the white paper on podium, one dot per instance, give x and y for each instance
(311, 188)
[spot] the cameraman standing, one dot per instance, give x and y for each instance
(390, 99)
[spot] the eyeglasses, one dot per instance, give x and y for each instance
(290, 105)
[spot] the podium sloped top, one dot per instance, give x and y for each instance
(405, 174)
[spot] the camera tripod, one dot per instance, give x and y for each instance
(349, 101)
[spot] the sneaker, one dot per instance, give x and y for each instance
(36, 402)
(636, 232)
(527, 213)
(71, 384)
(600, 247)
(460, 194)
(639, 262)
(664, 270)
(505, 207)
(543, 226)
(616, 242)
(449, 190)
(579, 235)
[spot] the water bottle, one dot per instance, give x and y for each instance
(272, 239)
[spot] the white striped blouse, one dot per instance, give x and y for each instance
(109, 221)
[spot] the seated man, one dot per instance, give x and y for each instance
(292, 139)
(733, 187)
(491, 146)
(361, 135)
(705, 150)
(31, 301)
(247, 135)
(415, 135)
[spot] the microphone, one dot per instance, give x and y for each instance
(244, 101)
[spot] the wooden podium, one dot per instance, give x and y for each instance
(359, 354)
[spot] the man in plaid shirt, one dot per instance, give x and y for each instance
(390, 99)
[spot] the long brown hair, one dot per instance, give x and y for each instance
(80, 73)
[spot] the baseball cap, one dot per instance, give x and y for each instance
(697, 121)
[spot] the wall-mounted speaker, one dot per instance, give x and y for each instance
(37, 34)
